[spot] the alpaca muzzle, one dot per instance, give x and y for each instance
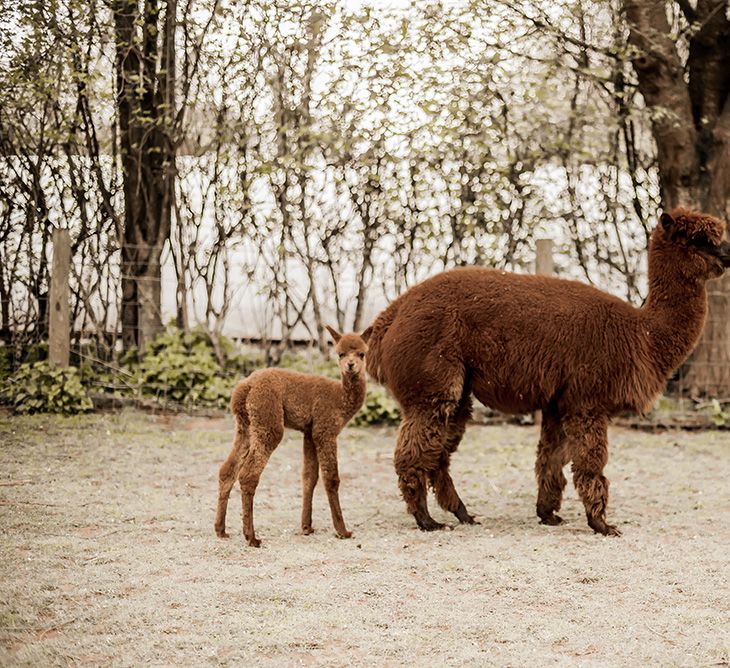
(722, 253)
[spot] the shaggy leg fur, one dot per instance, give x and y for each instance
(327, 453)
(552, 455)
(441, 482)
(310, 475)
(418, 453)
(590, 454)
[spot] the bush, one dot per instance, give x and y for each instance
(41, 388)
(5, 365)
(184, 369)
(378, 408)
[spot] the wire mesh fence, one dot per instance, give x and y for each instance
(119, 339)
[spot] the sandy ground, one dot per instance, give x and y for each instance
(109, 555)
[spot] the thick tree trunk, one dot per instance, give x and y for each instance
(145, 107)
(691, 127)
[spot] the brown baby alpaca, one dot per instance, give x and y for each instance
(271, 399)
(521, 343)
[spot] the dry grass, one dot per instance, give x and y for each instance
(109, 555)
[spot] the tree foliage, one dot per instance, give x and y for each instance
(318, 157)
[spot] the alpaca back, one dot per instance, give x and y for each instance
(523, 341)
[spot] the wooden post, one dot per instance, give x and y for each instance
(544, 256)
(543, 265)
(59, 330)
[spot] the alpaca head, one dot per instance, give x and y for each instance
(350, 349)
(699, 239)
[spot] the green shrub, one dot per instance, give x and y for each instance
(178, 367)
(41, 388)
(378, 408)
(5, 366)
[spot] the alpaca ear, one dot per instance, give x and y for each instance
(667, 223)
(366, 334)
(336, 336)
(672, 231)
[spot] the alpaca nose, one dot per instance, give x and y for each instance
(350, 366)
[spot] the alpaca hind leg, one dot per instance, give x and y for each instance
(226, 480)
(589, 445)
(441, 482)
(552, 456)
(417, 457)
(310, 474)
(331, 478)
(253, 464)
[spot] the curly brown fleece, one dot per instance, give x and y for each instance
(271, 399)
(521, 343)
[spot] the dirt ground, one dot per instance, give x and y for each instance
(109, 555)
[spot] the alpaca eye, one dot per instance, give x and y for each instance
(340, 355)
(361, 355)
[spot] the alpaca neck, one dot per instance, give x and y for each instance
(353, 393)
(675, 310)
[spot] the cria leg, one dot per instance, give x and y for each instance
(226, 480)
(327, 453)
(310, 475)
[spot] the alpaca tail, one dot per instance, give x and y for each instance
(378, 331)
(238, 405)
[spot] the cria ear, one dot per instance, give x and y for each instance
(336, 336)
(366, 334)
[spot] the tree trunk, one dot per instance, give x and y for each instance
(145, 108)
(691, 127)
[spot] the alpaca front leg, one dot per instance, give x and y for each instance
(310, 474)
(441, 481)
(552, 456)
(331, 478)
(589, 458)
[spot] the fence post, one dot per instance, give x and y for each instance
(544, 256)
(59, 329)
(543, 265)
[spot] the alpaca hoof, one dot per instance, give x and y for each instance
(307, 531)
(344, 534)
(430, 525)
(222, 534)
(254, 542)
(605, 529)
(551, 520)
(463, 515)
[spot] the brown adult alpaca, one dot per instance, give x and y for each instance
(521, 343)
(271, 399)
